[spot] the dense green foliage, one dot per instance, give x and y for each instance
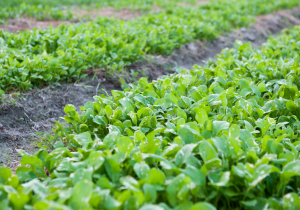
(40, 12)
(224, 136)
(103, 3)
(42, 56)
(58, 9)
(132, 4)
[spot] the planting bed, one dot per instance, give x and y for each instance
(37, 110)
(38, 57)
(214, 137)
(223, 134)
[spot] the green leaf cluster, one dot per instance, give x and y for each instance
(37, 57)
(40, 12)
(224, 136)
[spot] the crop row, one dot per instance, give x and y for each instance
(136, 4)
(60, 10)
(37, 57)
(40, 12)
(224, 136)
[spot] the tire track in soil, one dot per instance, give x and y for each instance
(39, 109)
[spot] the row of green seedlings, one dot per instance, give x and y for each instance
(223, 136)
(37, 57)
(61, 10)
(39, 12)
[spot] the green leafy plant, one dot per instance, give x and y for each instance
(60, 10)
(40, 12)
(36, 57)
(223, 136)
(8, 99)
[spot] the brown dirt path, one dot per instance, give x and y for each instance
(197, 53)
(37, 111)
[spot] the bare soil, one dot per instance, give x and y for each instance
(17, 25)
(197, 53)
(184, 4)
(25, 23)
(123, 14)
(39, 109)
